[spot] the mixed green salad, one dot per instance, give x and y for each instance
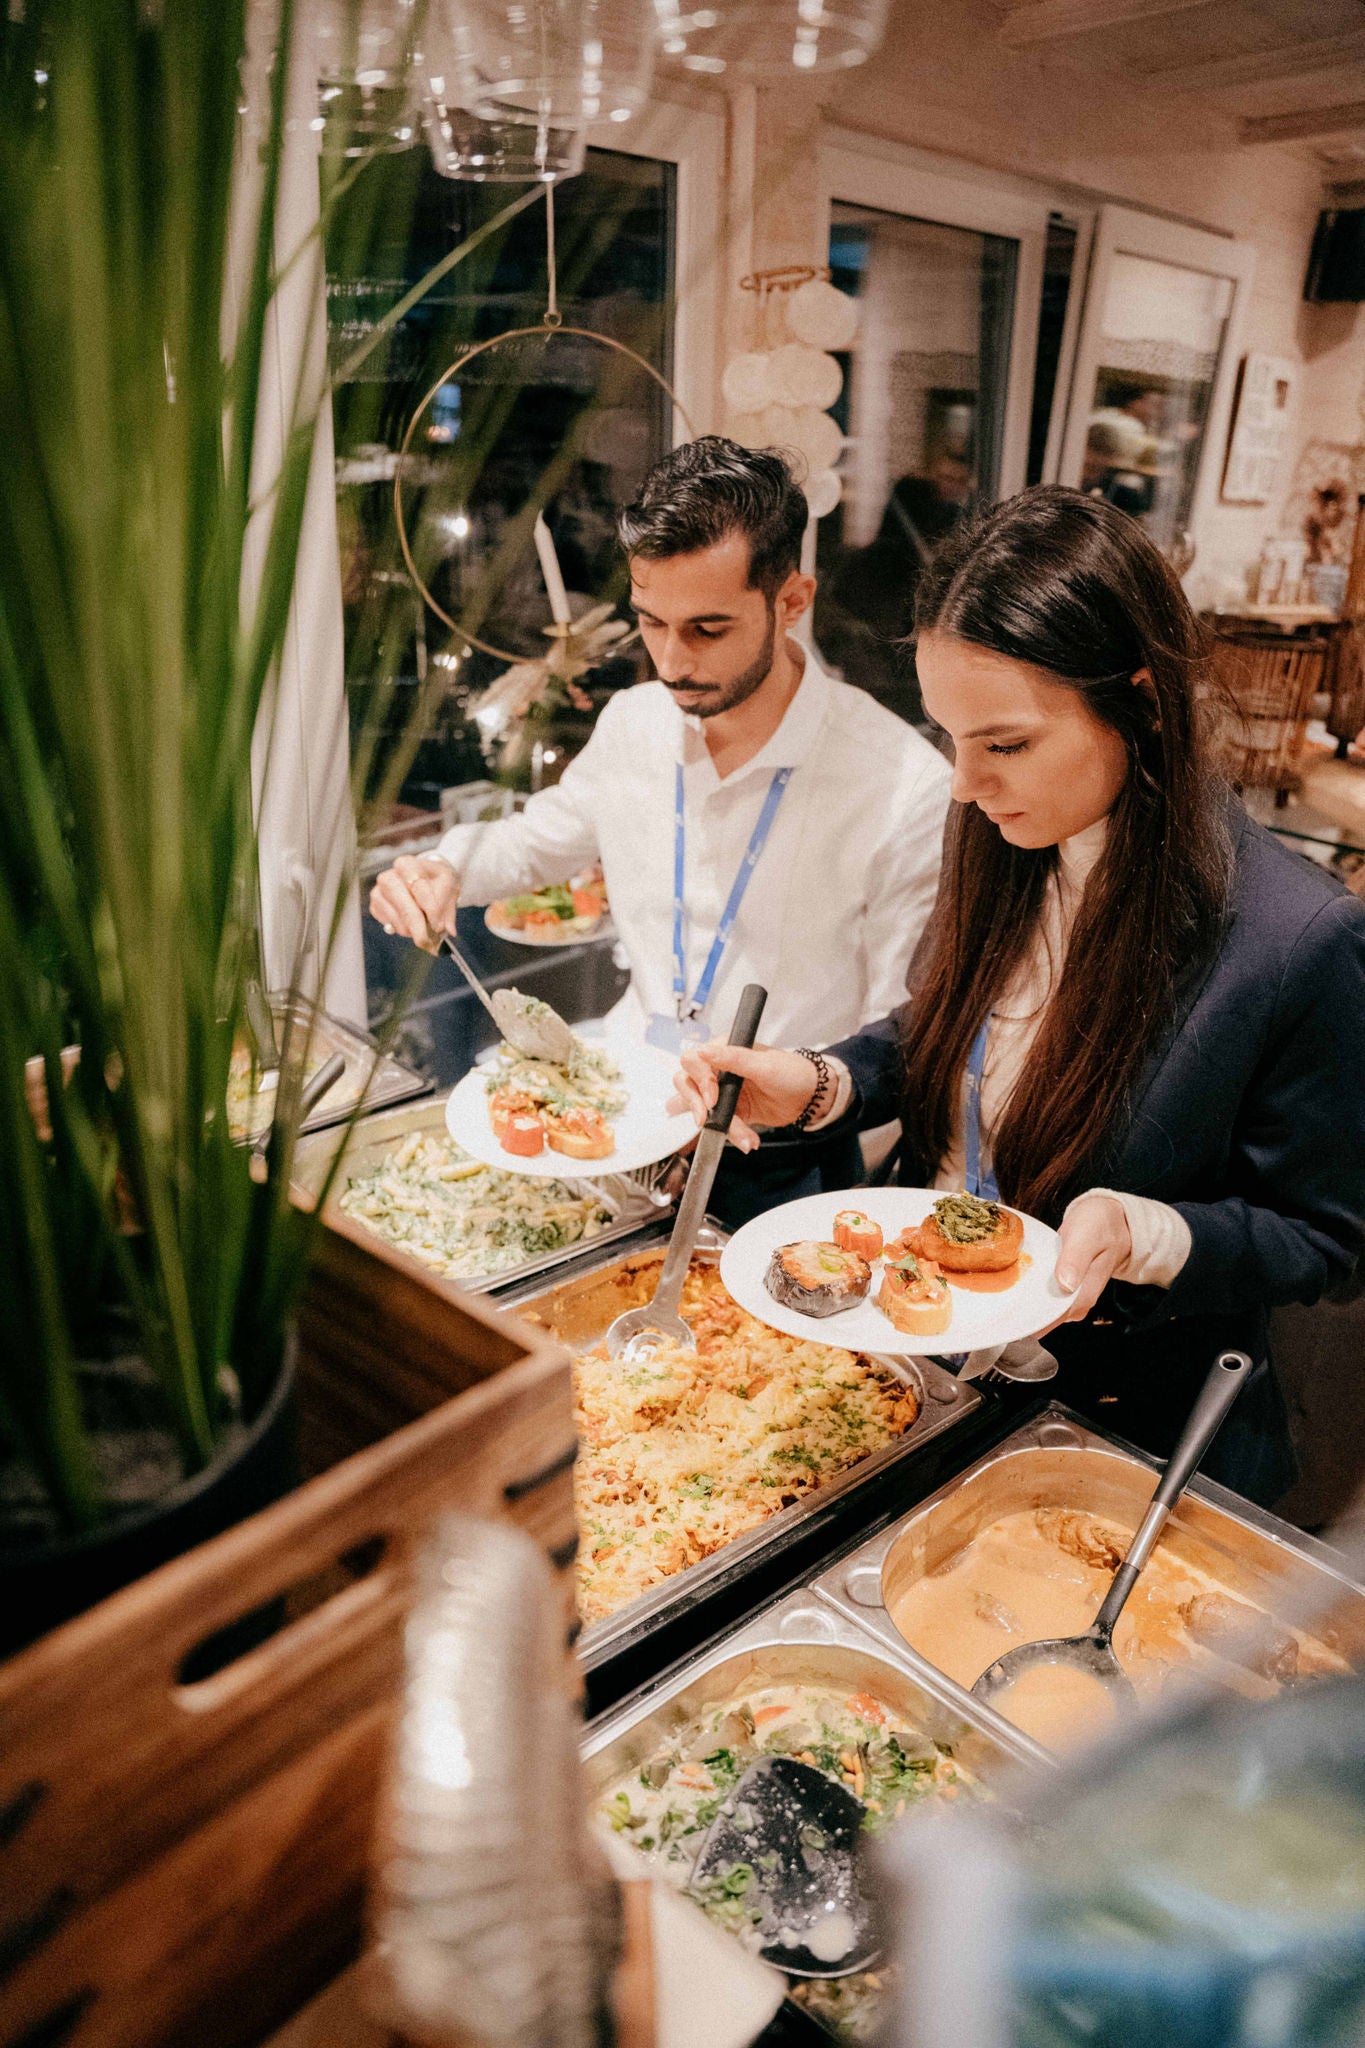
(667, 1804)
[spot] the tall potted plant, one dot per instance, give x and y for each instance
(147, 1280)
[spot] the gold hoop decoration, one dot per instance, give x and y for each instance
(547, 328)
(788, 277)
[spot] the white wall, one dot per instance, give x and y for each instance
(944, 82)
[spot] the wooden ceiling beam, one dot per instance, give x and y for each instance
(1259, 67)
(1043, 21)
(1305, 125)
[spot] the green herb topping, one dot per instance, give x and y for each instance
(966, 1219)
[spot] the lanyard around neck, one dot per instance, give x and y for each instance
(978, 1183)
(757, 841)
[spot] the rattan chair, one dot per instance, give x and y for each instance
(1271, 682)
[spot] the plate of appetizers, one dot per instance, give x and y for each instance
(605, 1111)
(897, 1269)
(559, 915)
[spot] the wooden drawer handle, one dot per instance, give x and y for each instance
(517, 1489)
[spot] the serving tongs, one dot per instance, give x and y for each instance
(1093, 1652)
(639, 1332)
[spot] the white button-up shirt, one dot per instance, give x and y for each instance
(837, 900)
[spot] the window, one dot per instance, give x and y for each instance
(564, 422)
(561, 421)
(923, 408)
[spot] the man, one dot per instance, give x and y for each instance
(804, 819)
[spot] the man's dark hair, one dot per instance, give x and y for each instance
(710, 488)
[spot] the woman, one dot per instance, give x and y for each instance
(1133, 1010)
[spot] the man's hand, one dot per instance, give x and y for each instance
(418, 897)
(1094, 1241)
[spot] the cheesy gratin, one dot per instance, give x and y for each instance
(463, 1218)
(680, 1455)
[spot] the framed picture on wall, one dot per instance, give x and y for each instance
(1265, 390)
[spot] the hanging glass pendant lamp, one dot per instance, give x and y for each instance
(770, 39)
(497, 152)
(548, 63)
(368, 59)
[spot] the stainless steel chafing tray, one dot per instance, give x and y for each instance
(371, 1137)
(578, 1309)
(803, 1638)
(384, 1079)
(1059, 1460)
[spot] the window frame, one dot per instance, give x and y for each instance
(1122, 231)
(859, 170)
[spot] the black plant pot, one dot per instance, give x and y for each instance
(48, 1583)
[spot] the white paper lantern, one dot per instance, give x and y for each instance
(823, 492)
(801, 375)
(779, 426)
(749, 429)
(822, 316)
(746, 384)
(815, 435)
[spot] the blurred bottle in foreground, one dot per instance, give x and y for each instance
(494, 1920)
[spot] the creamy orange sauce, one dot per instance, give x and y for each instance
(988, 1283)
(1058, 1705)
(1043, 1572)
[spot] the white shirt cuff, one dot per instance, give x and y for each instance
(1160, 1234)
(843, 1095)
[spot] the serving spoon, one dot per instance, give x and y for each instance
(1093, 1652)
(798, 1832)
(639, 1332)
(529, 1025)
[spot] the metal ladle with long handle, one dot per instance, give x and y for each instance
(639, 1331)
(1093, 1652)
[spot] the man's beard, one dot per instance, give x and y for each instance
(725, 696)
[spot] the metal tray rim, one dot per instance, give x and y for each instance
(394, 1081)
(635, 1209)
(764, 1631)
(1027, 1437)
(873, 1553)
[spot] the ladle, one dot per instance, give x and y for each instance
(1093, 1652)
(798, 1832)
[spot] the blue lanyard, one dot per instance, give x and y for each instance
(776, 790)
(977, 1182)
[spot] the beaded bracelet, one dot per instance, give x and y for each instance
(823, 1080)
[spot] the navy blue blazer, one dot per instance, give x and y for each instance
(1249, 1119)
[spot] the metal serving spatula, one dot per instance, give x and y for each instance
(1093, 1652)
(639, 1331)
(796, 1832)
(530, 1026)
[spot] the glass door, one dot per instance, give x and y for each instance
(938, 392)
(1154, 371)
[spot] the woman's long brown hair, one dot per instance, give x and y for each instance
(1074, 588)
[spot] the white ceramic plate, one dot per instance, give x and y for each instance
(1034, 1301)
(645, 1132)
(600, 929)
